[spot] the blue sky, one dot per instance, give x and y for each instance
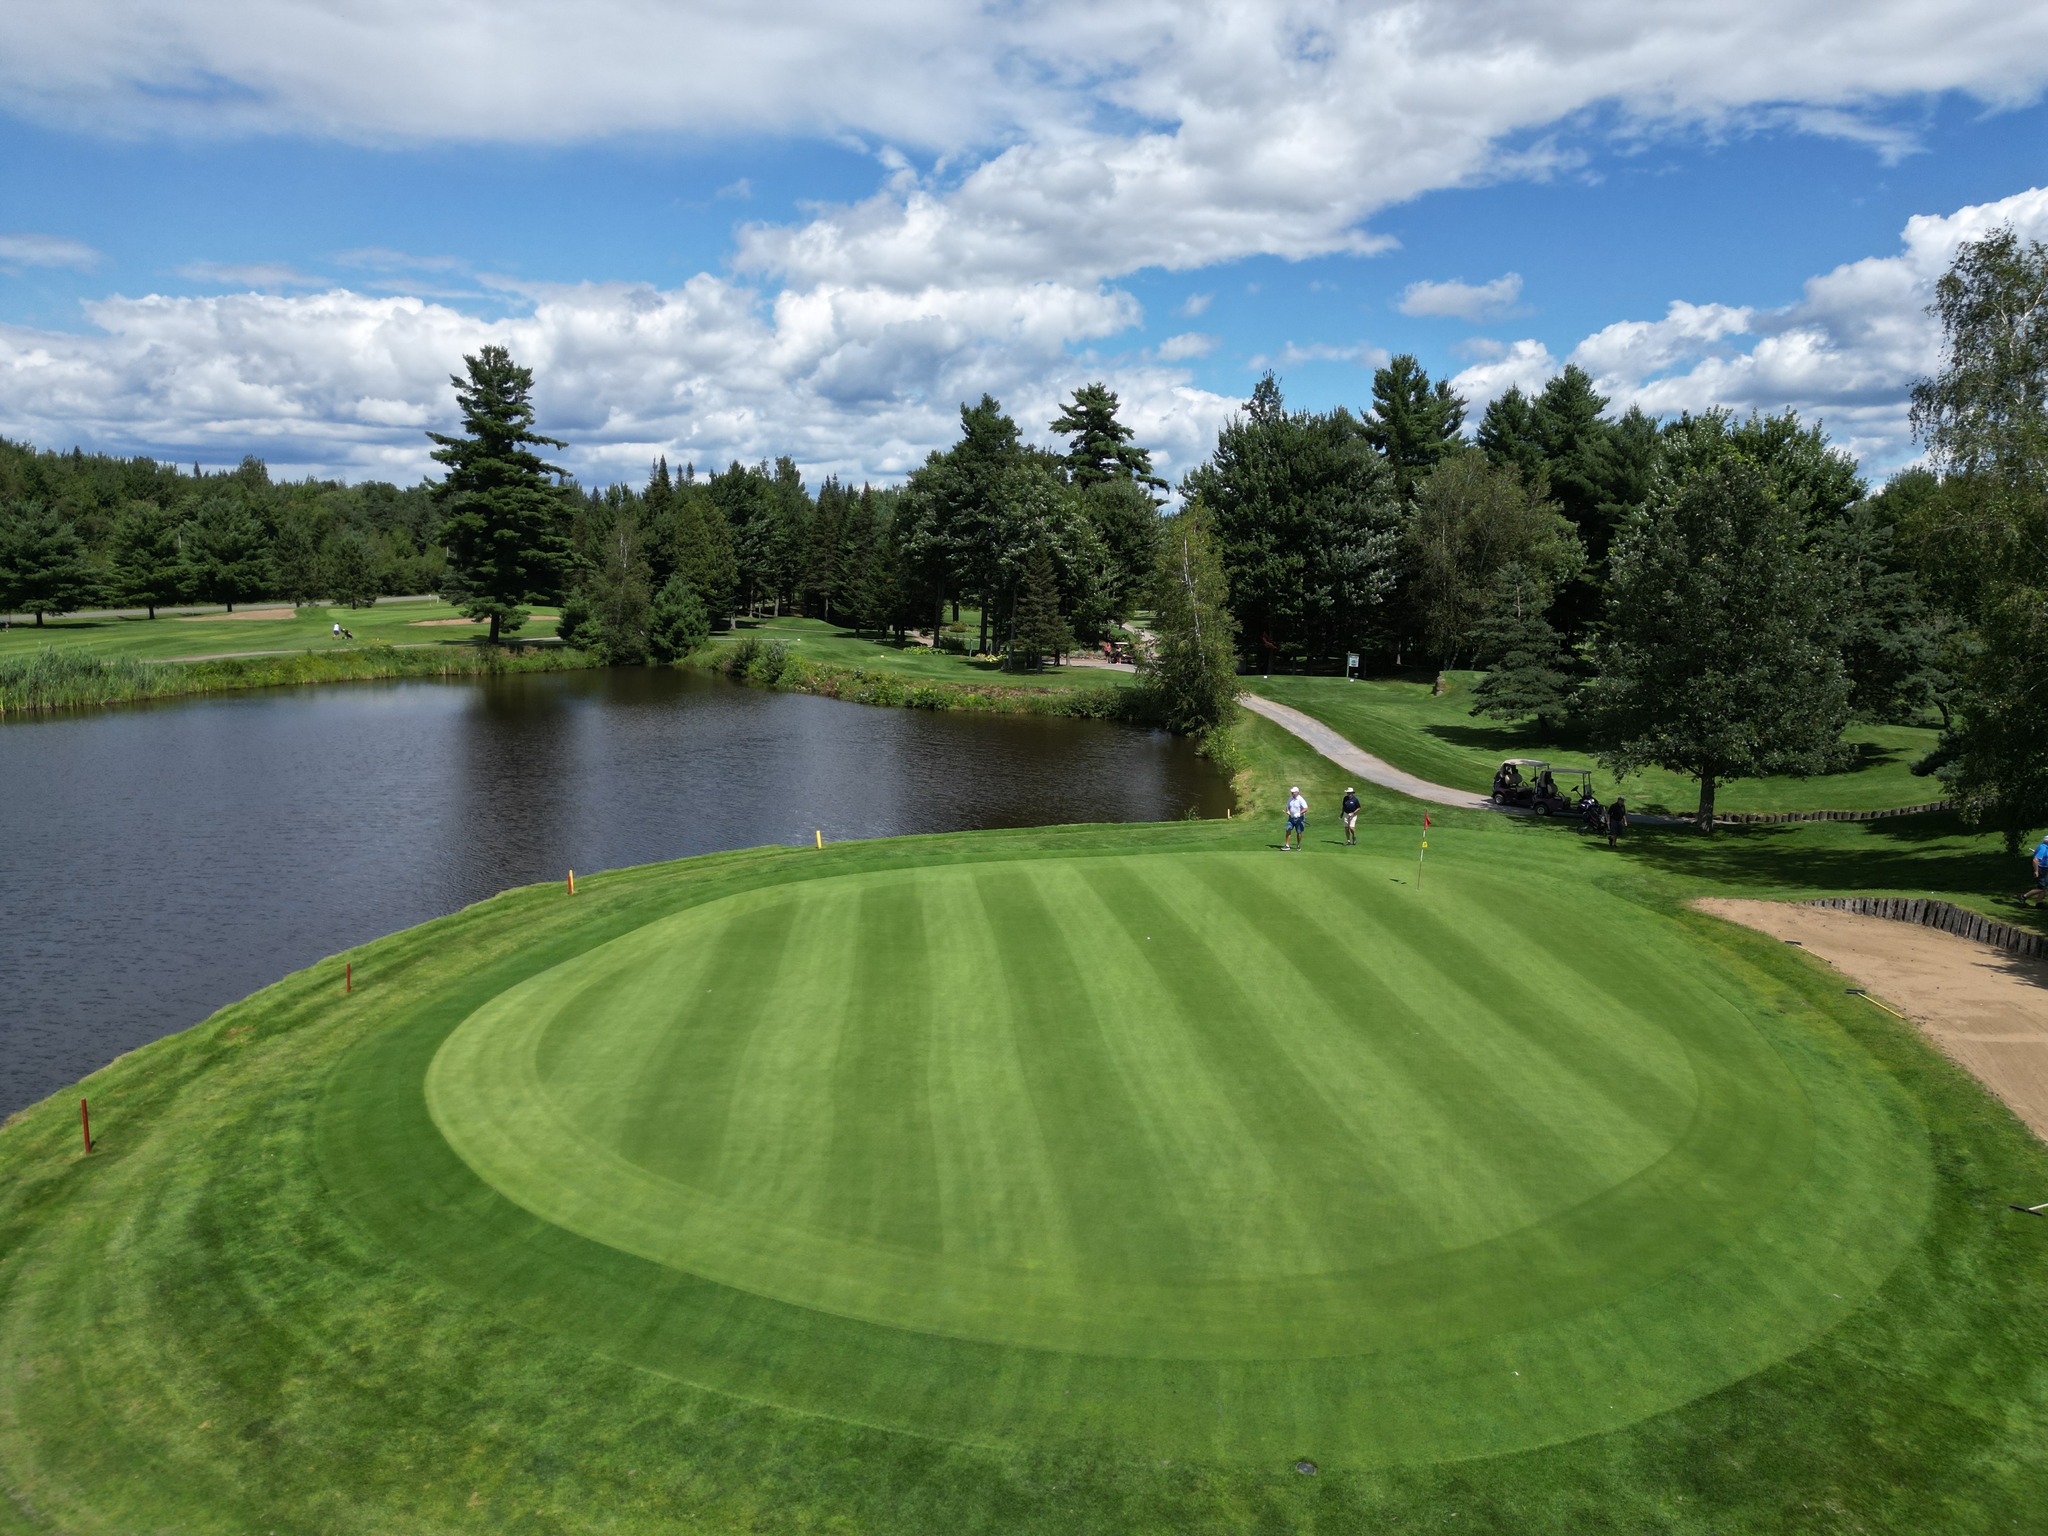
(231, 228)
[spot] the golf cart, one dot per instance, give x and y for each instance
(1530, 784)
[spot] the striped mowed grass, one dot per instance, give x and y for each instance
(1243, 1152)
(1075, 1179)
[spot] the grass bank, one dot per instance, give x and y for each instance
(763, 658)
(275, 1299)
(53, 678)
(257, 629)
(1436, 737)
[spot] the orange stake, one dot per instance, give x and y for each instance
(572, 882)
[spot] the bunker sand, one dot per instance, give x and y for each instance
(1986, 1009)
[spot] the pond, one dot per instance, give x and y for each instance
(158, 862)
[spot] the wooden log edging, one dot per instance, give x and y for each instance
(1946, 916)
(1759, 818)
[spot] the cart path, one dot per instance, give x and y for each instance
(1375, 770)
(1354, 759)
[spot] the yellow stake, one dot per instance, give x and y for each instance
(572, 882)
(821, 837)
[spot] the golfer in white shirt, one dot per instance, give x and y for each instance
(1297, 818)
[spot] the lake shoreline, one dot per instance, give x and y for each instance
(52, 680)
(775, 666)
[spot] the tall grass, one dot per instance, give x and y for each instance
(773, 664)
(59, 678)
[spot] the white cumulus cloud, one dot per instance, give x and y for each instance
(1847, 352)
(862, 382)
(1457, 300)
(1522, 365)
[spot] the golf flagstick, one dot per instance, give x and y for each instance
(1422, 850)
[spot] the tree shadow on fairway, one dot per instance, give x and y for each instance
(1933, 853)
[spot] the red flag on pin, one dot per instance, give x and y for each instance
(1425, 821)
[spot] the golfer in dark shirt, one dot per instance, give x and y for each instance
(1350, 809)
(1617, 820)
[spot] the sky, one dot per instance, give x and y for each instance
(719, 230)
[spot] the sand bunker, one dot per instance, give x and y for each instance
(246, 613)
(1986, 1008)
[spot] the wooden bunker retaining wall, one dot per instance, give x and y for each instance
(1946, 916)
(1757, 818)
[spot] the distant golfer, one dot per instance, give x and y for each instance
(1297, 818)
(2040, 862)
(337, 629)
(1350, 809)
(1617, 821)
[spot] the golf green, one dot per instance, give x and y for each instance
(1214, 1153)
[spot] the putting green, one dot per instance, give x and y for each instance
(1208, 1153)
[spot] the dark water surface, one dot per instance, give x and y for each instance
(159, 862)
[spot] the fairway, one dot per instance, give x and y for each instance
(1214, 1153)
(1080, 1179)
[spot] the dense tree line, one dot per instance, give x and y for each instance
(1715, 595)
(78, 530)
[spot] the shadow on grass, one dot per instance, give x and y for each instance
(1933, 853)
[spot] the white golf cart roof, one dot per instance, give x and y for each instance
(1523, 762)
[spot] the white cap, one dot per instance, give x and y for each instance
(1295, 791)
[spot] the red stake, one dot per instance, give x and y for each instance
(85, 1124)
(348, 976)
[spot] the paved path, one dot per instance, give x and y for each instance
(1353, 760)
(1375, 770)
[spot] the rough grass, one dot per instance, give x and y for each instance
(815, 641)
(764, 660)
(52, 678)
(244, 1313)
(1436, 737)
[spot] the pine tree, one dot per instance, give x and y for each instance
(678, 624)
(1413, 423)
(297, 571)
(703, 550)
(504, 524)
(227, 553)
(1307, 524)
(349, 565)
(1102, 449)
(821, 553)
(1507, 433)
(658, 518)
(1126, 520)
(789, 544)
(1040, 630)
(851, 579)
(1531, 667)
(147, 564)
(43, 566)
